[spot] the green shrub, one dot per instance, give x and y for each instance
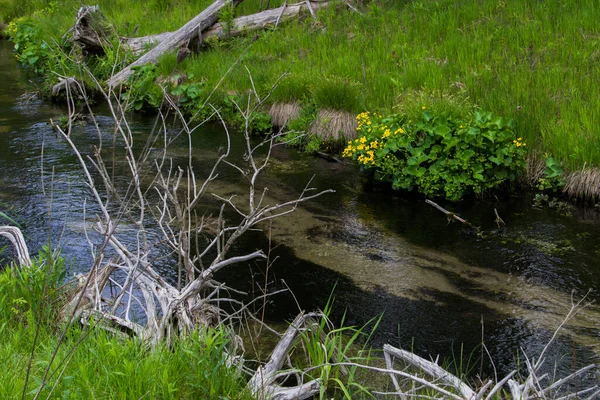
(439, 154)
(30, 50)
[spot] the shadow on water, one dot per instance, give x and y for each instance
(384, 253)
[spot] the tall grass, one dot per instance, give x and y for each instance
(534, 61)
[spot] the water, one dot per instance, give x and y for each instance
(378, 252)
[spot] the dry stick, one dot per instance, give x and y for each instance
(499, 221)
(450, 215)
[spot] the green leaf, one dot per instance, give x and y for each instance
(442, 131)
(415, 170)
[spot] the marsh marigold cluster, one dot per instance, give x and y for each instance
(519, 142)
(439, 153)
(373, 133)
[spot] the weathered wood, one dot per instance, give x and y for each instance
(432, 369)
(16, 238)
(263, 384)
(88, 31)
(240, 26)
(187, 32)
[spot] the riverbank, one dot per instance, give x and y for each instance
(361, 242)
(530, 61)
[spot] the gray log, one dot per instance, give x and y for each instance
(239, 26)
(190, 30)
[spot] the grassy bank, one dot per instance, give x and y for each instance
(91, 363)
(536, 62)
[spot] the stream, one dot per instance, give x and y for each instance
(377, 252)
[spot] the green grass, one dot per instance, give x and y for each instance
(537, 62)
(93, 363)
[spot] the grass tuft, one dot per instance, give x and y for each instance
(583, 183)
(282, 113)
(334, 126)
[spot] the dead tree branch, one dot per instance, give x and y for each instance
(16, 238)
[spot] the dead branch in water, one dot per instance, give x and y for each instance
(452, 216)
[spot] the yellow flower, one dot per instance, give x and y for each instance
(360, 147)
(363, 139)
(423, 107)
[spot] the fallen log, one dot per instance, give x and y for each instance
(192, 29)
(240, 26)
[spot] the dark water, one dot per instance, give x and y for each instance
(379, 253)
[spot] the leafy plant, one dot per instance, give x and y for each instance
(439, 154)
(30, 50)
(260, 123)
(143, 89)
(553, 175)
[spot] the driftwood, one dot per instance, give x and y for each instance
(192, 29)
(16, 238)
(263, 385)
(239, 26)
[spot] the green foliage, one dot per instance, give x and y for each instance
(335, 93)
(24, 289)
(189, 94)
(260, 123)
(143, 90)
(226, 17)
(30, 49)
(326, 347)
(553, 175)
(439, 154)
